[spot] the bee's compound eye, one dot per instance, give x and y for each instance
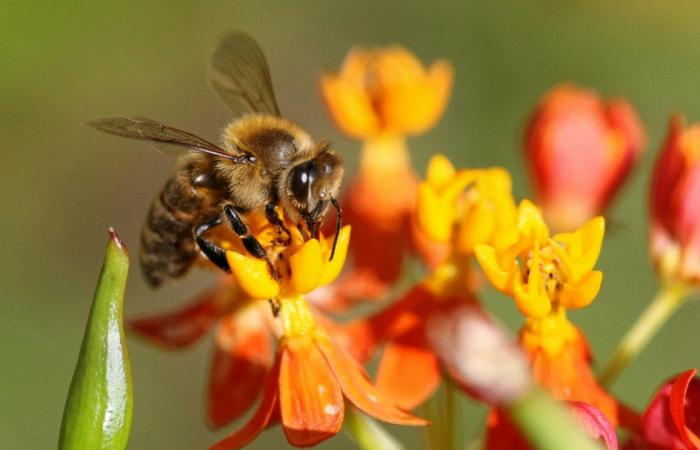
(251, 158)
(300, 182)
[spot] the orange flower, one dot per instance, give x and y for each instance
(386, 91)
(381, 96)
(243, 344)
(307, 384)
(579, 151)
(546, 276)
(675, 205)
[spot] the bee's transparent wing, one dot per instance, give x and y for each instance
(157, 134)
(238, 72)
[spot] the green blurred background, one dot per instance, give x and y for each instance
(63, 184)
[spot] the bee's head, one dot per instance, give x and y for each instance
(313, 184)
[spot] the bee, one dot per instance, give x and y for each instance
(265, 163)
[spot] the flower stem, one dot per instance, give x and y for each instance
(451, 416)
(667, 300)
(367, 433)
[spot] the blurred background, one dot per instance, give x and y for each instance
(63, 184)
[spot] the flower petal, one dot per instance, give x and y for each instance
(594, 423)
(684, 399)
(253, 276)
(260, 419)
(500, 278)
(242, 357)
(332, 267)
(311, 401)
(583, 293)
(306, 266)
(408, 371)
(359, 390)
(179, 328)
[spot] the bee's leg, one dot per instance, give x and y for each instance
(276, 220)
(216, 254)
(250, 243)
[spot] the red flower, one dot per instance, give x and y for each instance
(307, 384)
(675, 204)
(672, 419)
(579, 150)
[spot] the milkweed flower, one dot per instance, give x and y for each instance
(672, 417)
(381, 96)
(458, 209)
(675, 205)
(579, 150)
(546, 276)
(311, 375)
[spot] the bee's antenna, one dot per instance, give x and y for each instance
(338, 225)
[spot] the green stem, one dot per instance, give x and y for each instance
(667, 300)
(547, 424)
(451, 416)
(367, 433)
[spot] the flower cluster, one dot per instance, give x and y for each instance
(465, 227)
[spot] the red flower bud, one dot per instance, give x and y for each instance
(579, 150)
(675, 204)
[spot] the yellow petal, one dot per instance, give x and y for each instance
(306, 265)
(476, 227)
(433, 216)
(332, 268)
(253, 276)
(500, 278)
(583, 293)
(531, 303)
(440, 171)
(530, 221)
(583, 245)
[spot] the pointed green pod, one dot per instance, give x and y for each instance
(97, 415)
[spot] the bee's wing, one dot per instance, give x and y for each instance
(239, 74)
(156, 133)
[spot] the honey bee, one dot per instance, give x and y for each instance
(264, 162)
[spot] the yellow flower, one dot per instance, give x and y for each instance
(303, 266)
(541, 272)
(386, 91)
(466, 207)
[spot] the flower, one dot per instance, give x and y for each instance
(579, 150)
(381, 96)
(474, 203)
(675, 205)
(546, 276)
(672, 417)
(311, 375)
(307, 384)
(386, 91)
(245, 328)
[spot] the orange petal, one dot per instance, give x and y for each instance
(242, 357)
(311, 401)
(359, 390)
(350, 107)
(408, 372)
(260, 419)
(179, 328)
